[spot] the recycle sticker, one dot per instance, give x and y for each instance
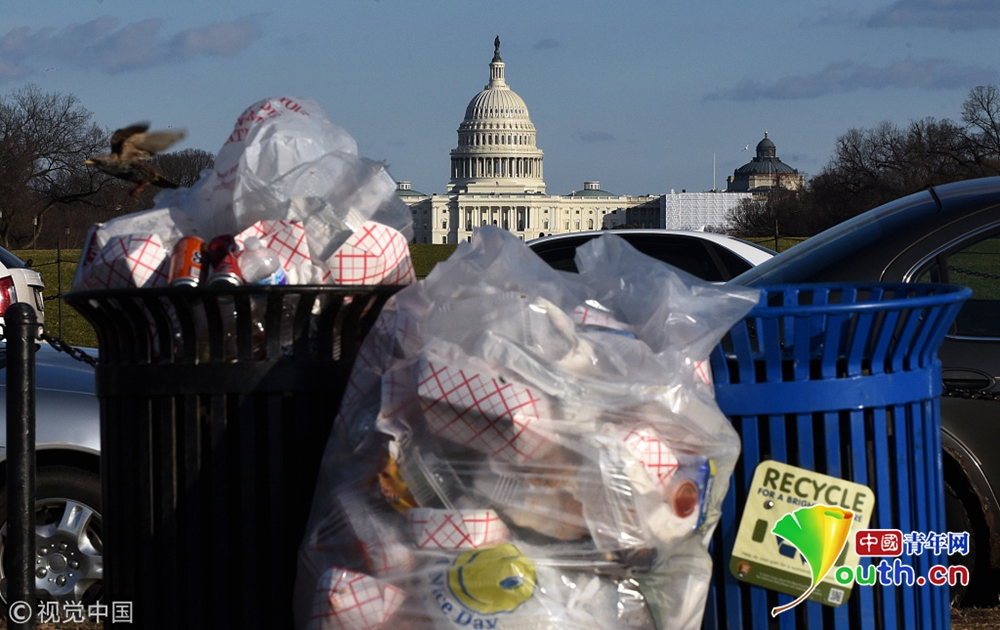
(796, 526)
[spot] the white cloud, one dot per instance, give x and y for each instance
(955, 15)
(849, 76)
(106, 46)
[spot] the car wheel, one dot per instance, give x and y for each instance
(69, 548)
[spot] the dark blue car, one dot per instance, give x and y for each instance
(950, 234)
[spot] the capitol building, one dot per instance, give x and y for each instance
(497, 178)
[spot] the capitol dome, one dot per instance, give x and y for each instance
(496, 150)
(496, 102)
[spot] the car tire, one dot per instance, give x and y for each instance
(984, 585)
(68, 539)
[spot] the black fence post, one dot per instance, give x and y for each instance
(59, 262)
(21, 330)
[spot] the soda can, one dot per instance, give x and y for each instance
(222, 262)
(186, 262)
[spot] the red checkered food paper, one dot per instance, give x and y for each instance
(375, 254)
(653, 453)
(456, 529)
(135, 260)
(286, 238)
(345, 600)
(465, 402)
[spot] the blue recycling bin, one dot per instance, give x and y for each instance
(842, 380)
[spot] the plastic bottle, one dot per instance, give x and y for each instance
(260, 265)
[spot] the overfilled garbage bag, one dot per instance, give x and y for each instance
(286, 176)
(521, 447)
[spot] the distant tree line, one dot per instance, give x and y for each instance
(47, 194)
(874, 166)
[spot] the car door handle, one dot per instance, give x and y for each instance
(967, 380)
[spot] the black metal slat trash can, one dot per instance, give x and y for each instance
(216, 405)
(841, 380)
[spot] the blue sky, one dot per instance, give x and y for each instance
(639, 95)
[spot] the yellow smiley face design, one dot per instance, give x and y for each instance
(493, 579)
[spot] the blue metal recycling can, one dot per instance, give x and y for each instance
(833, 389)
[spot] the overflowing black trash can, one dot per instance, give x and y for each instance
(216, 404)
(840, 380)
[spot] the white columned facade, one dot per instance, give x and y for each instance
(497, 178)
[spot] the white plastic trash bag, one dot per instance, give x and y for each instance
(286, 165)
(285, 160)
(523, 447)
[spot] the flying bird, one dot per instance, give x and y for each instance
(746, 148)
(131, 147)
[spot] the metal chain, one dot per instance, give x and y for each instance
(976, 274)
(62, 346)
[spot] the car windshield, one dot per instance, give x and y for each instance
(855, 234)
(815, 254)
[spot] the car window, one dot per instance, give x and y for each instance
(733, 263)
(689, 254)
(976, 266)
(559, 255)
(10, 261)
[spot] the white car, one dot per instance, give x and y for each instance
(19, 283)
(707, 255)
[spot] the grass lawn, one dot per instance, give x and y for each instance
(57, 269)
(784, 242)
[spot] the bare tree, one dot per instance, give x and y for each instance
(44, 140)
(874, 166)
(751, 217)
(184, 168)
(776, 212)
(981, 113)
(67, 225)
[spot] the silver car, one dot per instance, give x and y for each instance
(69, 548)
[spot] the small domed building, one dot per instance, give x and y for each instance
(765, 172)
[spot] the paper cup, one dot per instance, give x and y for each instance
(482, 411)
(456, 529)
(346, 600)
